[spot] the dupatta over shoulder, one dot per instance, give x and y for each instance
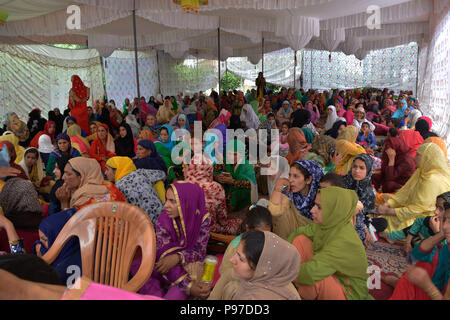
(417, 197)
(183, 232)
(277, 267)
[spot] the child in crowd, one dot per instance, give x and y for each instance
(366, 138)
(422, 228)
(258, 217)
(284, 146)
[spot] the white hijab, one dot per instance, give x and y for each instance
(331, 119)
(250, 118)
(414, 116)
(134, 125)
(45, 144)
(279, 169)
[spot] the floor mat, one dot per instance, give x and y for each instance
(390, 259)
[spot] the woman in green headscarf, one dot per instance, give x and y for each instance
(334, 262)
(165, 145)
(238, 179)
(308, 135)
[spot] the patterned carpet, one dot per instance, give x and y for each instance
(390, 258)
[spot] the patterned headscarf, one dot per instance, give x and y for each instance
(303, 203)
(322, 145)
(18, 197)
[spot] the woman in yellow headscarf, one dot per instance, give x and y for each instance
(14, 140)
(78, 142)
(439, 142)
(132, 182)
(348, 149)
(417, 197)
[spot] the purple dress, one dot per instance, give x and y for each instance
(186, 235)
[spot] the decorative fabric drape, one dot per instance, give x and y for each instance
(434, 77)
(120, 75)
(33, 77)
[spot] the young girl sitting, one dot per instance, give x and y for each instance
(422, 228)
(284, 146)
(366, 138)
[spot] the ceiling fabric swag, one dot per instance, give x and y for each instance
(164, 5)
(395, 29)
(390, 14)
(332, 38)
(47, 56)
(55, 23)
(104, 43)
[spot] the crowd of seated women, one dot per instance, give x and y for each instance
(355, 167)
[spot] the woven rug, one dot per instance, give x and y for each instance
(390, 259)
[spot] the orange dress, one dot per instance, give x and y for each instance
(114, 195)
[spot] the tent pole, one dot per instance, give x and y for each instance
(262, 56)
(218, 53)
(417, 73)
(136, 62)
(311, 71)
(226, 72)
(159, 76)
(295, 66)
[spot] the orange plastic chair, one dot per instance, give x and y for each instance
(110, 234)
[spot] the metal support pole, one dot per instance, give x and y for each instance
(417, 73)
(196, 66)
(295, 66)
(136, 61)
(226, 71)
(159, 75)
(262, 56)
(218, 53)
(311, 70)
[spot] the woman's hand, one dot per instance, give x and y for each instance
(383, 209)
(435, 224)
(165, 264)
(281, 184)
(337, 158)
(418, 276)
(38, 249)
(200, 290)
(391, 153)
(63, 195)
(4, 222)
(225, 178)
(8, 172)
(407, 248)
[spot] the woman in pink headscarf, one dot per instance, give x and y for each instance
(315, 114)
(147, 109)
(221, 119)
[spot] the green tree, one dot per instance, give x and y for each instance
(69, 46)
(230, 81)
(274, 88)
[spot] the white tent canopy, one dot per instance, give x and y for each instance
(333, 25)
